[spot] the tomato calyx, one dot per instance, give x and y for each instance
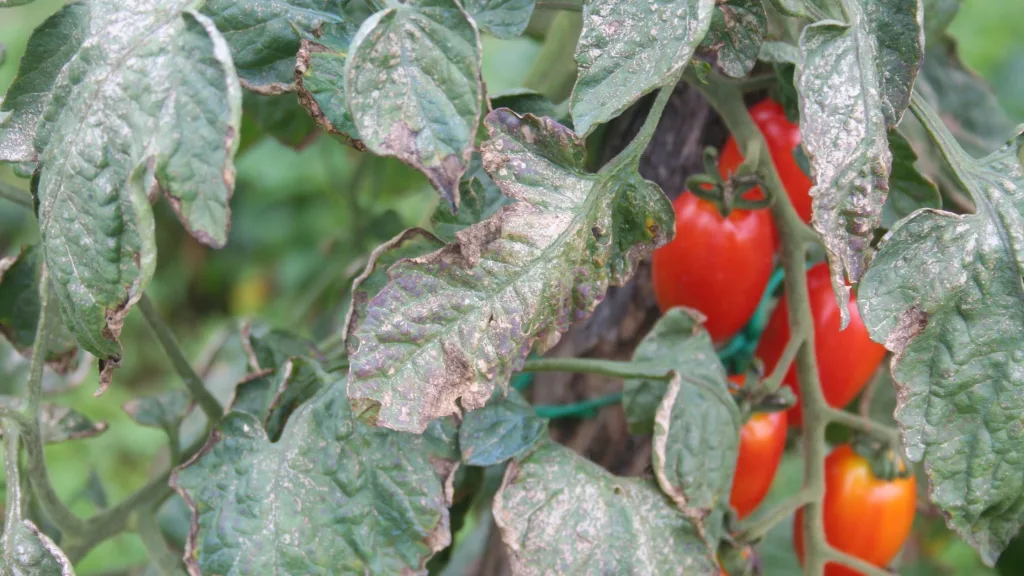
(886, 463)
(752, 397)
(738, 559)
(726, 194)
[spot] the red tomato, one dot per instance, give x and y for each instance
(846, 360)
(865, 516)
(717, 265)
(782, 137)
(762, 441)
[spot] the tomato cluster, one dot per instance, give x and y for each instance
(721, 266)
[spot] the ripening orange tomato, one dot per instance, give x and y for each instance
(865, 516)
(762, 441)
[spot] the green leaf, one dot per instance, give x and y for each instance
(525, 101)
(120, 100)
(734, 38)
(777, 52)
(333, 495)
(505, 428)
(944, 293)
(677, 342)
(34, 553)
(320, 81)
(164, 411)
(908, 189)
(20, 307)
(501, 18)
(412, 243)
(454, 324)
(965, 102)
(480, 198)
(628, 49)
(58, 423)
(264, 35)
(561, 514)
(854, 82)
(696, 444)
(422, 107)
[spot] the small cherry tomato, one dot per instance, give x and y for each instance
(782, 137)
(846, 360)
(865, 516)
(717, 265)
(762, 441)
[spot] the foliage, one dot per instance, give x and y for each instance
(414, 205)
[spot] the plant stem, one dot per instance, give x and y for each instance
(167, 562)
(636, 147)
(772, 383)
(13, 496)
(755, 528)
(612, 368)
(209, 405)
(881, 431)
(15, 195)
(728, 101)
(570, 6)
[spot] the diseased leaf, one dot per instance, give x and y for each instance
(908, 189)
(320, 81)
(411, 243)
(118, 100)
(333, 495)
(944, 293)
(58, 423)
(677, 342)
(412, 81)
(264, 35)
(854, 82)
(33, 553)
(20, 307)
(628, 49)
(734, 38)
(525, 101)
(963, 99)
(561, 514)
(480, 198)
(501, 18)
(505, 428)
(451, 326)
(695, 446)
(164, 411)
(777, 52)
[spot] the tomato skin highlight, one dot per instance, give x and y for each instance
(782, 137)
(717, 265)
(865, 516)
(762, 442)
(846, 360)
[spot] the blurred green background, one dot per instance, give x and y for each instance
(302, 221)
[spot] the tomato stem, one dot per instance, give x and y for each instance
(612, 368)
(15, 195)
(887, 434)
(756, 527)
(771, 384)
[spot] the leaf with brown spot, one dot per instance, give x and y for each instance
(734, 38)
(412, 83)
(322, 499)
(944, 294)
(118, 100)
(451, 326)
(561, 514)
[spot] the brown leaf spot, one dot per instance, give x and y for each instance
(191, 556)
(306, 99)
(911, 323)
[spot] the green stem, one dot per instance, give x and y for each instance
(612, 368)
(15, 195)
(209, 405)
(950, 150)
(12, 480)
(773, 382)
(554, 70)
(881, 431)
(167, 562)
(728, 101)
(753, 529)
(636, 147)
(578, 409)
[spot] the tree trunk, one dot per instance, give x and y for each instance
(627, 312)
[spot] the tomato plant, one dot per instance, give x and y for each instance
(865, 516)
(783, 137)
(688, 271)
(322, 273)
(846, 359)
